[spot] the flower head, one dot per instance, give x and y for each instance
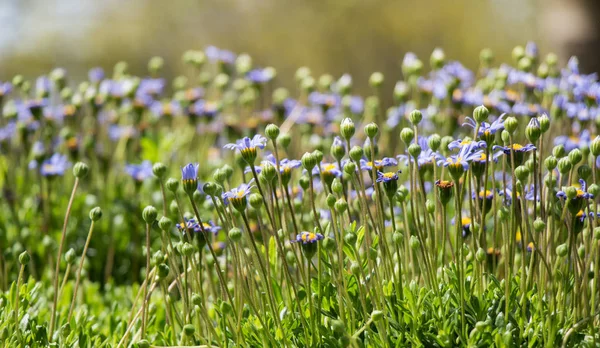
(308, 237)
(140, 172)
(189, 177)
(248, 147)
(459, 163)
(55, 165)
(518, 149)
(237, 195)
(379, 164)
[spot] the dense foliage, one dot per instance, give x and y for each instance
(219, 210)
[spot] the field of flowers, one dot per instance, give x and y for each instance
(221, 210)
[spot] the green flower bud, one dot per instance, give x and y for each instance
(434, 142)
(559, 151)
(155, 64)
(304, 182)
(350, 238)
(581, 251)
(80, 170)
(318, 155)
(149, 214)
(356, 153)
(163, 271)
(371, 130)
(24, 258)
(595, 146)
(575, 156)
(337, 326)
(255, 200)
(481, 114)
(414, 150)
(445, 141)
(209, 188)
(525, 64)
(95, 214)
(414, 242)
(480, 256)
(143, 344)
(350, 167)
(521, 172)
(308, 161)
(355, 268)
(511, 124)
(331, 199)
(172, 185)
(336, 186)
(398, 237)
(486, 56)
(544, 123)
(571, 192)
(594, 190)
(533, 130)
(165, 224)
(284, 140)
(376, 80)
(272, 131)
(189, 330)
(219, 176)
(564, 165)
(407, 135)
(517, 53)
(159, 170)
(377, 315)
(550, 162)
(505, 135)
(269, 171)
(430, 206)
(341, 205)
(437, 59)
(235, 234)
(401, 91)
(347, 128)
(584, 171)
(187, 249)
(415, 117)
(539, 225)
(70, 256)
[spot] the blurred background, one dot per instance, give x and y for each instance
(353, 36)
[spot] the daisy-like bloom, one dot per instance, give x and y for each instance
(379, 164)
(459, 163)
(189, 177)
(578, 202)
(96, 75)
(518, 149)
(465, 222)
(5, 88)
(390, 182)
(329, 171)
(55, 165)
(486, 195)
(152, 87)
(581, 140)
(204, 108)
(308, 237)
(486, 130)
(216, 55)
(248, 147)
(285, 168)
(167, 108)
(260, 76)
(140, 172)
(459, 144)
(190, 226)
(237, 195)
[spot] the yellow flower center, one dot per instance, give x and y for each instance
(517, 147)
(329, 167)
(465, 221)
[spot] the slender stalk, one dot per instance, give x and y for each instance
(60, 248)
(85, 248)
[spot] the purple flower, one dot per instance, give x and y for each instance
(55, 165)
(379, 164)
(5, 88)
(96, 75)
(467, 153)
(308, 237)
(459, 144)
(258, 141)
(260, 76)
(238, 194)
(190, 172)
(386, 177)
(140, 172)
